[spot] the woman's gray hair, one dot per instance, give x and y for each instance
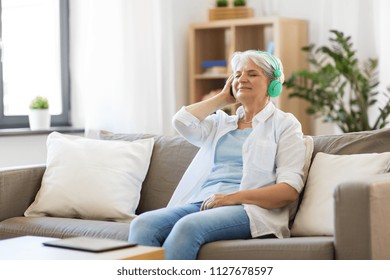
(261, 59)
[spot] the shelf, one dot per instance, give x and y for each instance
(218, 40)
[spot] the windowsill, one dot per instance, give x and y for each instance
(27, 131)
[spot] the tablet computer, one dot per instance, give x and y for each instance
(89, 244)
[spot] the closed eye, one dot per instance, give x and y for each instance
(252, 73)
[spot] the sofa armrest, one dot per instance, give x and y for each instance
(362, 218)
(18, 187)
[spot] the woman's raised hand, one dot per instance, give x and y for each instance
(228, 90)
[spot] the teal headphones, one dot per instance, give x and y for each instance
(275, 87)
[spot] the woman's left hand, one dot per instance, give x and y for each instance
(216, 200)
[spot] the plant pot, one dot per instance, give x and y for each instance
(39, 119)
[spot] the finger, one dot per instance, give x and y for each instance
(208, 203)
(229, 80)
(228, 84)
(204, 205)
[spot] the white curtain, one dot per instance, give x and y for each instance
(121, 64)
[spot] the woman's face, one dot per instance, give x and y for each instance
(250, 84)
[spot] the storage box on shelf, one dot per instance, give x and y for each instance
(230, 13)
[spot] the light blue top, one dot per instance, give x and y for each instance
(226, 174)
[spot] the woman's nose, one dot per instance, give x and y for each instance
(242, 78)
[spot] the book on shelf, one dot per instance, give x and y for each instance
(213, 63)
(214, 67)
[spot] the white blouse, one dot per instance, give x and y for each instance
(274, 152)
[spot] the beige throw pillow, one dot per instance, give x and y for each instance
(315, 214)
(92, 179)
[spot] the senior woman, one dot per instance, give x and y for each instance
(248, 171)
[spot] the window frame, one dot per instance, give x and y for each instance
(63, 119)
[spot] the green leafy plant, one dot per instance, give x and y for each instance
(39, 102)
(222, 3)
(339, 88)
(237, 3)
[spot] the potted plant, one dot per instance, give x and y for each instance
(39, 116)
(222, 3)
(338, 87)
(238, 3)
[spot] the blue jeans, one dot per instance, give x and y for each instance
(183, 230)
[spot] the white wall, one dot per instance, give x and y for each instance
(23, 150)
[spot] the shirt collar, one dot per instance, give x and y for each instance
(261, 116)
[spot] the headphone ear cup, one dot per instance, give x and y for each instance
(275, 88)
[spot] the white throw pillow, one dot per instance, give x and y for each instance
(315, 215)
(92, 179)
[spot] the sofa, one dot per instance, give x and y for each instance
(361, 227)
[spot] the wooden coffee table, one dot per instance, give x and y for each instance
(31, 248)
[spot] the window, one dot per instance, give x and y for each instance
(34, 59)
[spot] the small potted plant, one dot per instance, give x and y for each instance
(39, 116)
(238, 3)
(222, 3)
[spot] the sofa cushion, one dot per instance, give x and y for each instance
(316, 213)
(92, 179)
(62, 228)
(376, 141)
(297, 248)
(170, 158)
